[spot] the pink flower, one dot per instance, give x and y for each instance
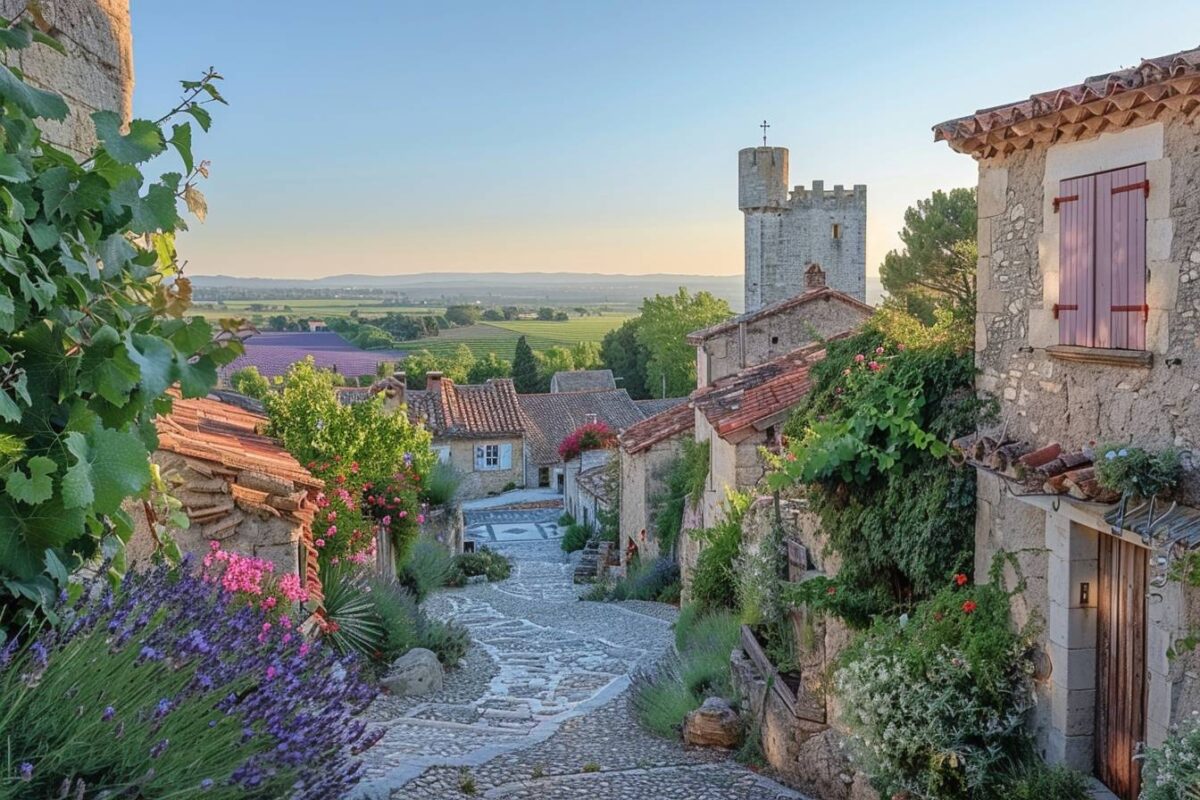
(846, 371)
(304, 649)
(266, 626)
(878, 351)
(271, 673)
(331, 531)
(860, 358)
(287, 637)
(269, 602)
(900, 347)
(420, 519)
(874, 366)
(319, 542)
(403, 514)
(285, 621)
(387, 519)
(331, 516)
(214, 545)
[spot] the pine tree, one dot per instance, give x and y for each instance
(525, 368)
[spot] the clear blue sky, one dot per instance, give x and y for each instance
(396, 137)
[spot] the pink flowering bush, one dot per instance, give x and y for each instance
(593, 436)
(252, 580)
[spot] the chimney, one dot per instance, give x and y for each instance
(433, 381)
(814, 277)
(590, 419)
(393, 388)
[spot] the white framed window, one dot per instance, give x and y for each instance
(492, 457)
(443, 454)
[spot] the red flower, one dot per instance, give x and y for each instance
(960, 579)
(969, 606)
(831, 591)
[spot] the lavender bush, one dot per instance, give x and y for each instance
(166, 686)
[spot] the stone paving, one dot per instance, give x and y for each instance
(539, 707)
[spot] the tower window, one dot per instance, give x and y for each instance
(837, 231)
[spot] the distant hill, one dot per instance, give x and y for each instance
(497, 288)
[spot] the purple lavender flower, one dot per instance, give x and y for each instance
(159, 748)
(162, 708)
(26, 771)
(40, 654)
(206, 784)
(107, 716)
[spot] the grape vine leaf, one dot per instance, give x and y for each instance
(110, 466)
(36, 487)
(143, 142)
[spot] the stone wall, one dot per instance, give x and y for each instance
(1044, 398)
(481, 483)
(643, 480)
(445, 526)
(786, 233)
(96, 74)
(776, 335)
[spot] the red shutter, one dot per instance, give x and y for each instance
(1121, 258)
(1075, 307)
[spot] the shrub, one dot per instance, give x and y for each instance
(663, 696)
(399, 616)
(349, 620)
(448, 640)
(428, 566)
(565, 520)
(1042, 782)
(952, 679)
(684, 483)
(168, 686)
(1171, 771)
(714, 584)
(592, 436)
(496, 566)
(442, 485)
(576, 537)
(643, 581)
(250, 382)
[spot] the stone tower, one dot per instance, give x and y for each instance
(787, 233)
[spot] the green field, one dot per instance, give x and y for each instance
(501, 337)
(318, 308)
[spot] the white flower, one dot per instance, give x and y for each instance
(1110, 455)
(1123, 452)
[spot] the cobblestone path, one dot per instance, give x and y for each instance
(539, 708)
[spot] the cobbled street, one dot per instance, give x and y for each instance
(540, 708)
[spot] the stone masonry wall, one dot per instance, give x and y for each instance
(643, 480)
(483, 482)
(777, 335)
(1045, 399)
(96, 73)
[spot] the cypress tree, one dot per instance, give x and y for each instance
(524, 368)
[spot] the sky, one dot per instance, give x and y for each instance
(395, 137)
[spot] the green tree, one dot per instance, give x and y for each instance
(621, 352)
(416, 365)
(525, 369)
(665, 323)
(493, 315)
(586, 355)
(936, 267)
(545, 313)
(458, 366)
(250, 382)
(550, 361)
(93, 326)
(462, 315)
(490, 366)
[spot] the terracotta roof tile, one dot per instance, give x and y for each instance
(754, 395)
(778, 307)
(488, 409)
(675, 421)
(1100, 103)
(552, 417)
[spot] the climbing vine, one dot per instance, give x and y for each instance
(93, 325)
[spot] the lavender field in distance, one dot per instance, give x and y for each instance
(274, 352)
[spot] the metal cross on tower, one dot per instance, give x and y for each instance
(764, 126)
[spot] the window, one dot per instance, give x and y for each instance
(1102, 259)
(491, 457)
(543, 476)
(443, 454)
(837, 231)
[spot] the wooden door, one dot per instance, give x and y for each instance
(1121, 664)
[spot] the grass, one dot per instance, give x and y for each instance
(313, 307)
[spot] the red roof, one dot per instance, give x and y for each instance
(677, 420)
(487, 409)
(778, 307)
(1109, 101)
(750, 398)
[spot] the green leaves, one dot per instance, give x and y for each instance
(110, 466)
(143, 142)
(34, 102)
(36, 487)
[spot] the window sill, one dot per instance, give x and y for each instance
(1142, 359)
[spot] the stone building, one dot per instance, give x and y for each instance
(582, 380)
(785, 233)
(585, 493)
(1087, 330)
(237, 487)
(477, 429)
(96, 74)
(647, 452)
(776, 329)
(553, 417)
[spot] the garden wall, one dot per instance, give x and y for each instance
(806, 753)
(445, 526)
